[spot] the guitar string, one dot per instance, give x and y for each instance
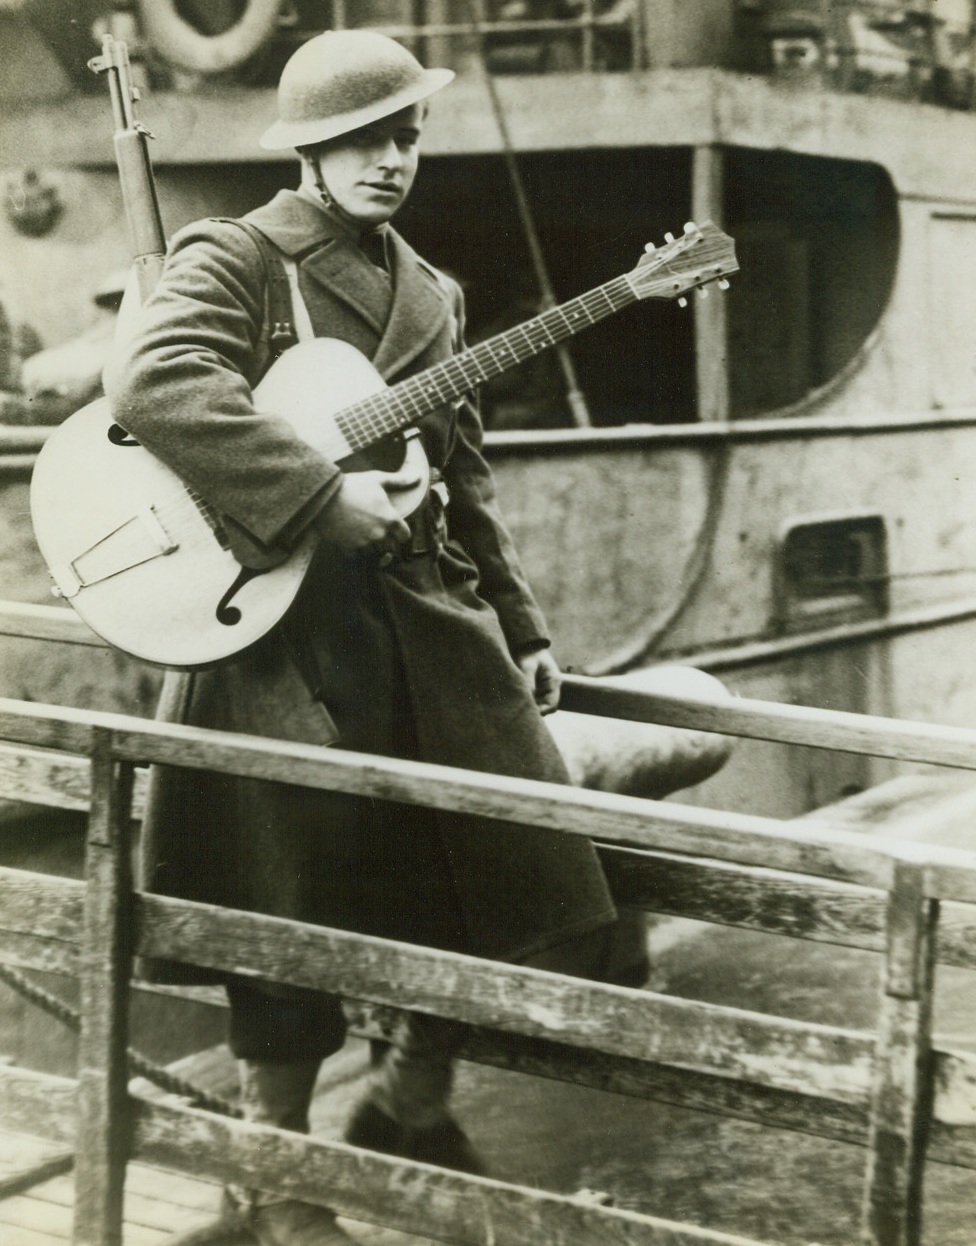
(382, 413)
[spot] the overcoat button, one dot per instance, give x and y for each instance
(386, 559)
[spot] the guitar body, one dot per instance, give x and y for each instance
(144, 564)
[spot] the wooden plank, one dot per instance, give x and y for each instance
(25, 951)
(901, 1097)
(826, 1061)
(40, 777)
(144, 1225)
(377, 1189)
(837, 730)
(54, 623)
(772, 901)
(24, 1211)
(55, 780)
(106, 968)
(45, 1105)
(700, 1092)
(39, 1172)
(31, 1237)
(39, 909)
(46, 726)
(38, 1104)
(635, 822)
(170, 1185)
(41, 904)
(747, 897)
(601, 815)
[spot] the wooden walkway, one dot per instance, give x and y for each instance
(161, 1204)
(158, 1204)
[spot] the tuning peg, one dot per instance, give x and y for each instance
(651, 248)
(682, 302)
(669, 237)
(702, 292)
(723, 283)
(690, 227)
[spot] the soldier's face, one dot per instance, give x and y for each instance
(370, 171)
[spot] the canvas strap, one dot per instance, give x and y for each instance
(288, 318)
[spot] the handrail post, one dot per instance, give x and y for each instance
(902, 1091)
(105, 969)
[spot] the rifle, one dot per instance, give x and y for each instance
(131, 140)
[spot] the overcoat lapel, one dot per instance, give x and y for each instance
(419, 312)
(342, 269)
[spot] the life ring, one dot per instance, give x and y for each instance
(182, 44)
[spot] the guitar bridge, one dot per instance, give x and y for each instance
(134, 542)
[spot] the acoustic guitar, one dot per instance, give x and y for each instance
(146, 562)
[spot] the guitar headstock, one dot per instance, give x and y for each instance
(703, 254)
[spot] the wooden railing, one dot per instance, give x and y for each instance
(889, 1091)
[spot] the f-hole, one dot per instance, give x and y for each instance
(225, 612)
(119, 437)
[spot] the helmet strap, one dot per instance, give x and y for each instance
(328, 202)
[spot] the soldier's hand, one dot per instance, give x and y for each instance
(544, 678)
(360, 514)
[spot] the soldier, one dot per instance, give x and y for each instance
(413, 638)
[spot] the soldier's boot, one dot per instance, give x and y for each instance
(405, 1111)
(281, 1095)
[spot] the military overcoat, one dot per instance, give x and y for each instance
(414, 659)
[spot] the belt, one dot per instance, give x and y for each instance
(428, 526)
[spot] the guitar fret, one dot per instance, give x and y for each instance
(533, 349)
(210, 516)
(580, 309)
(480, 373)
(544, 328)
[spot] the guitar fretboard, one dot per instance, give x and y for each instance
(376, 417)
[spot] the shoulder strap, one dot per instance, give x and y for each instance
(303, 321)
(282, 292)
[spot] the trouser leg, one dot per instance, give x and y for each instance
(278, 1094)
(280, 1039)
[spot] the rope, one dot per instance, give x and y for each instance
(138, 1063)
(575, 397)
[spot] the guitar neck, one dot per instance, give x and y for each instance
(391, 409)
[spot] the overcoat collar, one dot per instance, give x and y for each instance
(328, 252)
(420, 310)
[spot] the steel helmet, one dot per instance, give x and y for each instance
(344, 79)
